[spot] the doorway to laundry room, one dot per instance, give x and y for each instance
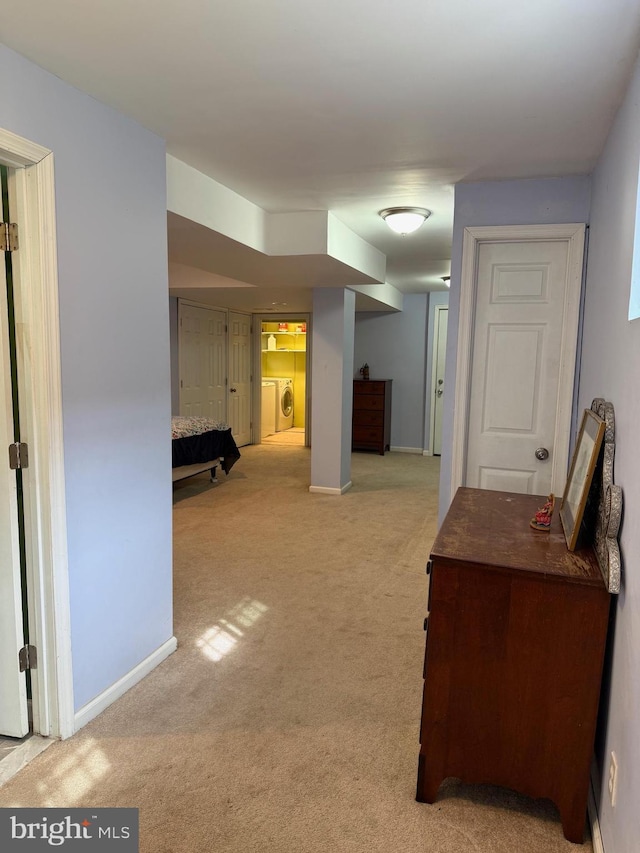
(283, 400)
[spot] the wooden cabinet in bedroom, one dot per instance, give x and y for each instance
(371, 415)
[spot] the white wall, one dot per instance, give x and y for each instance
(114, 321)
(394, 347)
(525, 202)
(611, 369)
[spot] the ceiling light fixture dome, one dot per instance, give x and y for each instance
(405, 220)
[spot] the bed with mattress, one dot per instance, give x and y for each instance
(201, 444)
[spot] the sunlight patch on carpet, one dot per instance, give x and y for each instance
(221, 638)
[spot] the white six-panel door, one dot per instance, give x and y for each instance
(522, 362)
(439, 355)
(203, 362)
(240, 377)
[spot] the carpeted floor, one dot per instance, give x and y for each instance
(290, 437)
(287, 721)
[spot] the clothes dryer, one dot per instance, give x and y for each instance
(284, 402)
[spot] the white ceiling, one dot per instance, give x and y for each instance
(349, 105)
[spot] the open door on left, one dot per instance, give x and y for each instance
(14, 715)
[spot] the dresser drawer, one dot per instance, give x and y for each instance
(367, 435)
(368, 417)
(368, 401)
(370, 386)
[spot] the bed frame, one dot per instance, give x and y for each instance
(185, 471)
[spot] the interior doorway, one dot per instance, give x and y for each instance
(284, 380)
(31, 193)
(441, 317)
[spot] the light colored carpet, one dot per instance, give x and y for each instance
(287, 721)
(290, 437)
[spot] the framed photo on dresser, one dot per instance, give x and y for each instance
(583, 464)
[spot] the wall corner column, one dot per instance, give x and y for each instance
(332, 389)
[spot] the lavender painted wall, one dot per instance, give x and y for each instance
(394, 347)
(114, 323)
(542, 201)
(611, 369)
(332, 393)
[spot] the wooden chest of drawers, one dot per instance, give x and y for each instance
(371, 415)
(517, 627)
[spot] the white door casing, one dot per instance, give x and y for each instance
(202, 347)
(35, 267)
(240, 377)
(14, 717)
(437, 384)
(517, 339)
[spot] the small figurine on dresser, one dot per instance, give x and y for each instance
(542, 519)
(364, 371)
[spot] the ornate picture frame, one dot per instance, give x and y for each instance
(583, 464)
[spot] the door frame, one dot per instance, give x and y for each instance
(39, 369)
(286, 316)
(574, 235)
(437, 319)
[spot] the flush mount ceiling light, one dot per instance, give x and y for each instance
(405, 220)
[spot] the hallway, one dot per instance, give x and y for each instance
(287, 720)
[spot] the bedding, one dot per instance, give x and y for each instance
(199, 439)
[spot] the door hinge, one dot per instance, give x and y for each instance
(8, 236)
(28, 658)
(18, 456)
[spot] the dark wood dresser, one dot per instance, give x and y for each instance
(371, 415)
(516, 632)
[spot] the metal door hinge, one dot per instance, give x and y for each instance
(18, 456)
(8, 236)
(28, 658)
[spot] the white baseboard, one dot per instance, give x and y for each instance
(594, 821)
(427, 453)
(108, 696)
(325, 490)
(406, 449)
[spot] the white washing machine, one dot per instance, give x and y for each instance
(268, 408)
(284, 402)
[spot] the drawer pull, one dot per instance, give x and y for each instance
(428, 567)
(426, 622)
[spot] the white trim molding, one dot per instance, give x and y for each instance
(406, 450)
(96, 706)
(32, 192)
(327, 490)
(574, 235)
